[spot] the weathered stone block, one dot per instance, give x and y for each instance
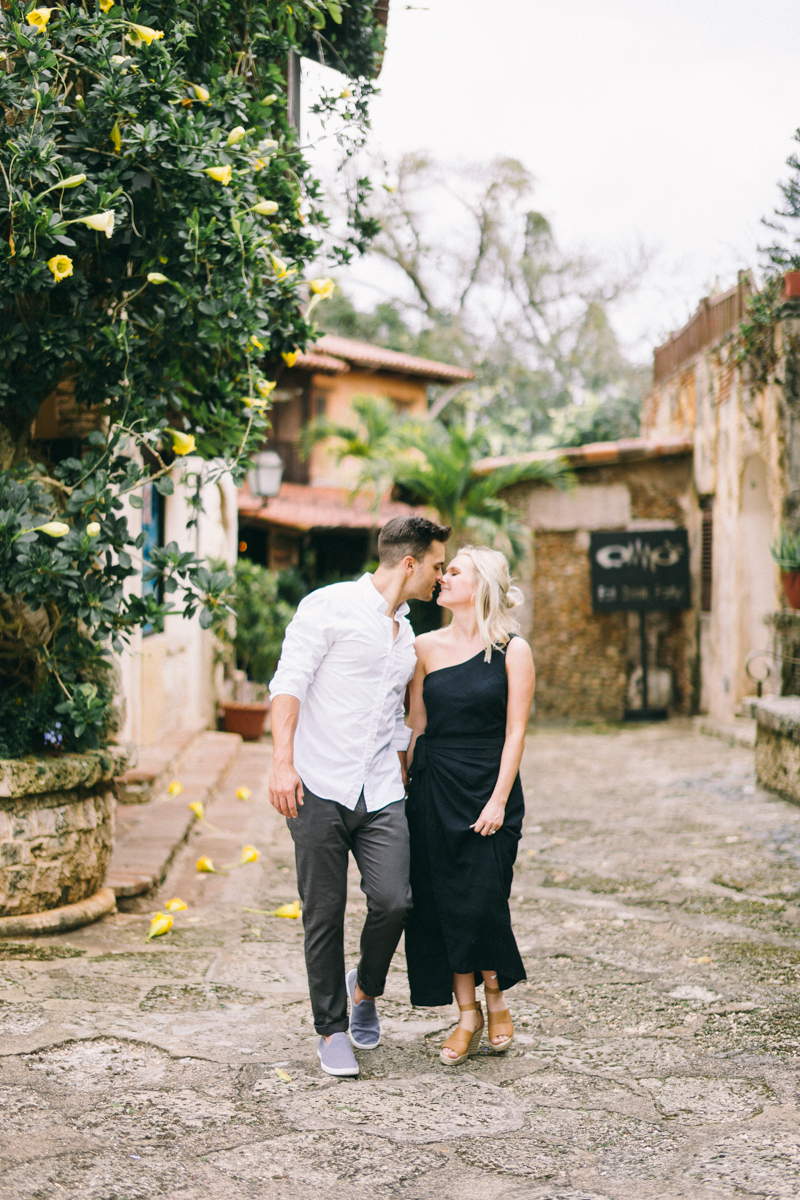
(778, 744)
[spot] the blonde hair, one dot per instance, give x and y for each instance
(495, 597)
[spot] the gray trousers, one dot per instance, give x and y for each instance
(324, 833)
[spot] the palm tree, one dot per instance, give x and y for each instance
(435, 465)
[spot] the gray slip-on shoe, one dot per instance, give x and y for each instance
(336, 1057)
(365, 1028)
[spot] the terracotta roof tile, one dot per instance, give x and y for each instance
(363, 354)
(304, 506)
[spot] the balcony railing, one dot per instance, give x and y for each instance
(295, 468)
(715, 317)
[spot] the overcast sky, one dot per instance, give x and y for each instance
(642, 120)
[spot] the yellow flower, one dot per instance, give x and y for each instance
(249, 854)
(265, 207)
(345, 95)
(219, 174)
(290, 357)
(39, 18)
(254, 402)
(182, 443)
(201, 92)
(72, 181)
(197, 808)
(175, 788)
(324, 288)
(103, 222)
(143, 33)
(118, 60)
(175, 905)
(279, 266)
(105, 5)
(93, 528)
(243, 793)
(156, 277)
(255, 343)
(61, 266)
(290, 911)
(263, 387)
(269, 99)
(205, 864)
(115, 137)
(53, 529)
(159, 925)
(284, 1078)
(235, 135)
(259, 164)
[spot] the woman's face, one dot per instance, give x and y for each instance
(458, 583)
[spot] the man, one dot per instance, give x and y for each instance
(339, 774)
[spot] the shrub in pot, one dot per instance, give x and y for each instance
(786, 553)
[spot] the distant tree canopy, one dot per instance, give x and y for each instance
(476, 277)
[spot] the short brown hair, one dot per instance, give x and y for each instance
(408, 535)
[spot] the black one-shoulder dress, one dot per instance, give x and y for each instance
(460, 881)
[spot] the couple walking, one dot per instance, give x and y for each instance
(441, 864)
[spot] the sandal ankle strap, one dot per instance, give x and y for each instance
(466, 1007)
(492, 991)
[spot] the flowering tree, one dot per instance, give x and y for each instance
(156, 217)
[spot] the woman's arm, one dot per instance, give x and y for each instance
(521, 684)
(417, 716)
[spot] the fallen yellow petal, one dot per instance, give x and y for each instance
(284, 1078)
(205, 864)
(249, 854)
(175, 788)
(159, 925)
(291, 911)
(243, 793)
(197, 808)
(175, 905)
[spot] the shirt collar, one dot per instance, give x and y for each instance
(374, 599)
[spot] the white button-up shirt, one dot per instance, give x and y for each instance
(341, 660)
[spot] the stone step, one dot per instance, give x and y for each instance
(738, 731)
(148, 835)
(156, 766)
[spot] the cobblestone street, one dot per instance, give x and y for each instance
(657, 905)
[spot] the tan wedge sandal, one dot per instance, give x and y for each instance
(500, 1024)
(463, 1041)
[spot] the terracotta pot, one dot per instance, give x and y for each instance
(791, 587)
(246, 719)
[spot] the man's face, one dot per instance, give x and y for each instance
(427, 572)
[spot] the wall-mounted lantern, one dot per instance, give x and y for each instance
(265, 478)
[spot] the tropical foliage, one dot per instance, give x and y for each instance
(439, 466)
(156, 221)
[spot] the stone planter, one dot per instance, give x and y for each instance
(56, 834)
(778, 744)
(791, 588)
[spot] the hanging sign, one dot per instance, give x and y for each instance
(640, 571)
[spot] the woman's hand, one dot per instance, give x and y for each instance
(492, 817)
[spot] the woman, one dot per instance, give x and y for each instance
(470, 702)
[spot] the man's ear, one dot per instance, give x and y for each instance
(409, 563)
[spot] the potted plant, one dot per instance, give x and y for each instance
(786, 552)
(264, 602)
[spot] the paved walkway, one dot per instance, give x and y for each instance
(656, 904)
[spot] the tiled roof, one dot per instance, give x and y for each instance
(376, 358)
(310, 361)
(304, 506)
(595, 454)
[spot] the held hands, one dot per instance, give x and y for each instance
(285, 789)
(491, 818)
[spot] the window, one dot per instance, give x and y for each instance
(706, 552)
(153, 529)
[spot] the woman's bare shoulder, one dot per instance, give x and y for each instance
(424, 643)
(518, 652)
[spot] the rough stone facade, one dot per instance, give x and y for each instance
(56, 829)
(584, 660)
(778, 745)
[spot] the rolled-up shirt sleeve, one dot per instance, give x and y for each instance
(402, 734)
(306, 643)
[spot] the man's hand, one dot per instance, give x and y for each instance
(285, 789)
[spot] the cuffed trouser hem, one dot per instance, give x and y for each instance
(334, 1027)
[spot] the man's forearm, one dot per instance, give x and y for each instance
(284, 713)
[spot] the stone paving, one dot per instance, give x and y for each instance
(657, 904)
